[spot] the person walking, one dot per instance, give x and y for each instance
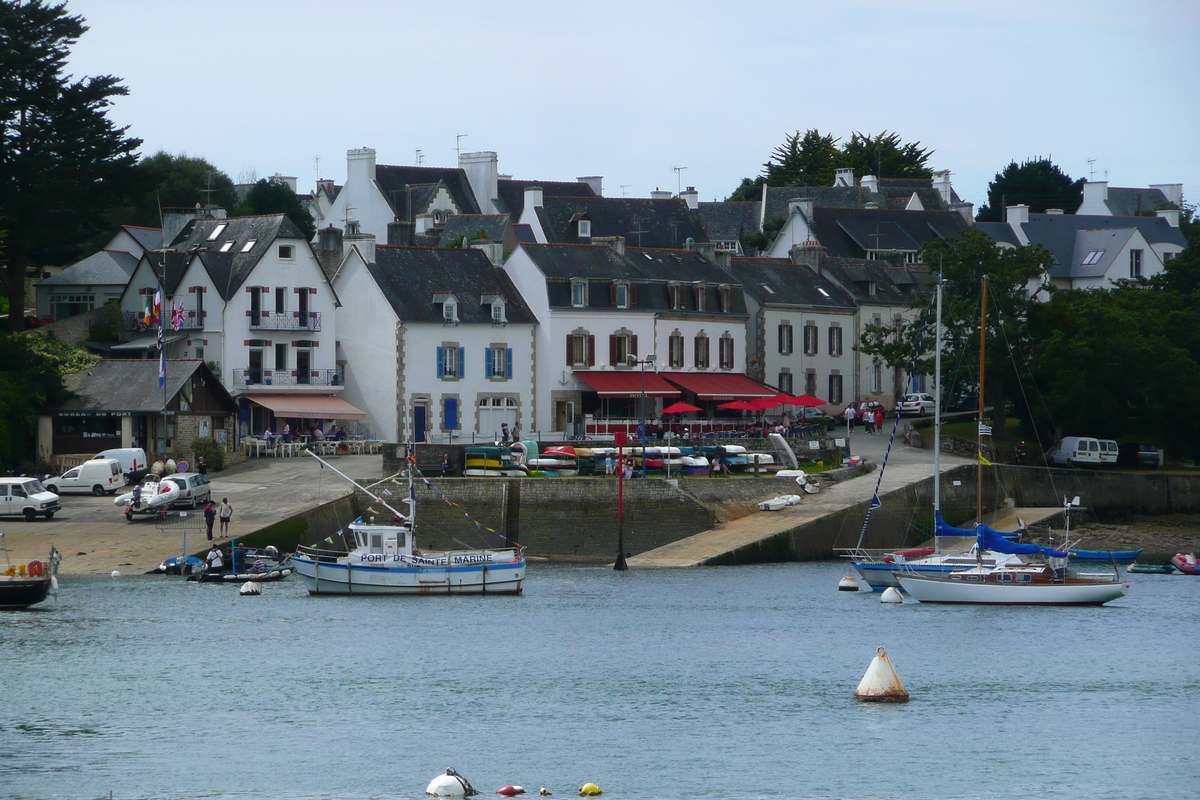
(201, 467)
(445, 464)
(210, 516)
(879, 420)
(215, 559)
(868, 420)
(850, 415)
(226, 514)
(504, 433)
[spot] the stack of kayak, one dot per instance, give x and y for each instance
(560, 461)
(492, 461)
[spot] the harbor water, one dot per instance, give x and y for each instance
(705, 683)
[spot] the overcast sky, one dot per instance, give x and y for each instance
(631, 90)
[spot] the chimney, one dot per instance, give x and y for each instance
(360, 165)
(843, 176)
(483, 172)
(1171, 215)
(1017, 215)
(809, 254)
(659, 194)
(329, 240)
(1172, 191)
(400, 234)
(285, 180)
(941, 182)
(802, 206)
(1095, 193)
(1054, 211)
(870, 183)
(966, 211)
(617, 243)
(533, 198)
(594, 181)
(365, 243)
(325, 185)
(691, 197)
(493, 250)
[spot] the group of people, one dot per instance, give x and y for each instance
(215, 560)
(211, 513)
(314, 434)
(871, 418)
(510, 435)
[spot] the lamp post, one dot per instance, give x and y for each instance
(633, 360)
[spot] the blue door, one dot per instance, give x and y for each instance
(418, 423)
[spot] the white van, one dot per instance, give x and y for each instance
(133, 461)
(1078, 451)
(1108, 453)
(98, 476)
(26, 497)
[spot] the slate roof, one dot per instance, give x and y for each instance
(1000, 231)
(727, 221)
(1106, 244)
(777, 281)
(525, 233)
(894, 193)
(469, 225)
(132, 385)
(1123, 202)
(230, 269)
(105, 268)
(850, 233)
(1057, 232)
(512, 193)
(393, 180)
(409, 277)
(642, 221)
(147, 238)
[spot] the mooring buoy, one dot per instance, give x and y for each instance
(891, 595)
(881, 684)
(848, 584)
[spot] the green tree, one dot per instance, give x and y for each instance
(272, 197)
(964, 260)
(31, 379)
(807, 159)
(885, 156)
(174, 181)
(748, 189)
(63, 163)
(1037, 183)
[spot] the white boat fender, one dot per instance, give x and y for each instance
(450, 785)
(250, 589)
(881, 684)
(891, 595)
(510, 790)
(589, 790)
(848, 584)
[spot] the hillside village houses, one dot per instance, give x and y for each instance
(440, 303)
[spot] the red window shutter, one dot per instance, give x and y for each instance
(632, 296)
(312, 290)
(591, 351)
(633, 345)
(570, 350)
(612, 349)
(612, 295)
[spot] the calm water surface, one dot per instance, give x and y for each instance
(730, 683)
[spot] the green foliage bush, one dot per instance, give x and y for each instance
(213, 453)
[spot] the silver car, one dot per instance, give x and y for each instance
(194, 489)
(919, 404)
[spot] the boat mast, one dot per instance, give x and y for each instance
(979, 425)
(411, 505)
(937, 409)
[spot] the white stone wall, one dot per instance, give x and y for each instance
(362, 196)
(798, 363)
(367, 331)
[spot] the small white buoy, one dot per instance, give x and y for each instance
(848, 584)
(881, 684)
(891, 595)
(450, 785)
(250, 588)
(116, 573)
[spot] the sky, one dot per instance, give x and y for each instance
(632, 90)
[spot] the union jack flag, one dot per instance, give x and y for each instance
(177, 315)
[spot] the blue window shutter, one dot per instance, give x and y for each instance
(450, 406)
(462, 362)
(487, 362)
(441, 362)
(508, 363)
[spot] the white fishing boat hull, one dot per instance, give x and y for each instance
(928, 589)
(394, 577)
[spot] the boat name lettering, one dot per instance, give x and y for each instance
(424, 562)
(481, 558)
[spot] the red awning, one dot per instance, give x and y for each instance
(719, 386)
(307, 406)
(627, 384)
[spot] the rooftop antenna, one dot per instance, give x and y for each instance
(208, 192)
(317, 165)
(420, 157)
(1091, 169)
(458, 144)
(637, 223)
(346, 215)
(625, 186)
(678, 180)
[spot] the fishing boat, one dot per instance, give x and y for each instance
(270, 575)
(27, 585)
(385, 559)
(152, 496)
(1186, 563)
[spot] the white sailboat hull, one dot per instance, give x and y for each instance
(928, 589)
(343, 577)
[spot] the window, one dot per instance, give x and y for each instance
(835, 389)
(212, 237)
(227, 246)
(585, 228)
(871, 288)
(579, 294)
(675, 296)
(497, 312)
(1093, 257)
(280, 299)
(785, 381)
(621, 346)
(68, 305)
(701, 351)
(581, 350)
(256, 305)
(286, 252)
(621, 295)
(449, 313)
(726, 352)
(785, 339)
(1167, 258)
(810, 339)
(810, 382)
(255, 373)
(726, 299)
(497, 361)
(281, 359)
(835, 340)
(450, 360)
(877, 379)
(675, 350)
(249, 245)
(1135, 263)
(701, 297)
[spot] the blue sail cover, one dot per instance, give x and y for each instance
(988, 539)
(941, 528)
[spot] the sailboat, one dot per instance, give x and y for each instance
(1041, 576)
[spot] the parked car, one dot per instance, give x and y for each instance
(1138, 454)
(806, 415)
(1077, 451)
(194, 489)
(967, 402)
(98, 476)
(28, 498)
(917, 404)
(133, 462)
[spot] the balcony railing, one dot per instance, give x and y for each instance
(285, 320)
(192, 321)
(252, 376)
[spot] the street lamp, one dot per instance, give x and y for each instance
(633, 361)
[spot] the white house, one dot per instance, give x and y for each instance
(439, 345)
(1102, 200)
(100, 277)
(612, 317)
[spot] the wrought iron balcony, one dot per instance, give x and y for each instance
(192, 321)
(284, 320)
(255, 376)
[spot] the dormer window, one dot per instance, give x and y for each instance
(498, 312)
(675, 296)
(872, 288)
(449, 305)
(585, 229)
(579, 294)
(212, 237)
(726, 299)
(622, 295)
(701, 297)
(249, 245)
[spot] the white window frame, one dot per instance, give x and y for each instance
(498, 312)
(585, 228)
(579, 288)
(287, 252)
(811, 339)
(675, 355)
(622, 295)
(450, 362)
(499, 356)
(449, 313)
(786, 339)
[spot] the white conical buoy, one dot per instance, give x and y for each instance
(250, 588)
(450, 785)
(891, 595)
(848, 584)
(881, 684)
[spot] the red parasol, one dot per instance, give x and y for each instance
(739, 405)
(680, 408)
(809, 400)
(763, 403)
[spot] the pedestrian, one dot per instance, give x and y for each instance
(504, 432)
(879, 419)
(445, 464)
(849, 415)
(201, 467)
(210, 516)
(516, 432)
(225, 513)
(868, 421)
(215, 559)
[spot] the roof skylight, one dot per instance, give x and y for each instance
(823, 292)
(1093, 257)
(212, 237)
(226, 247)
(249, 245)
